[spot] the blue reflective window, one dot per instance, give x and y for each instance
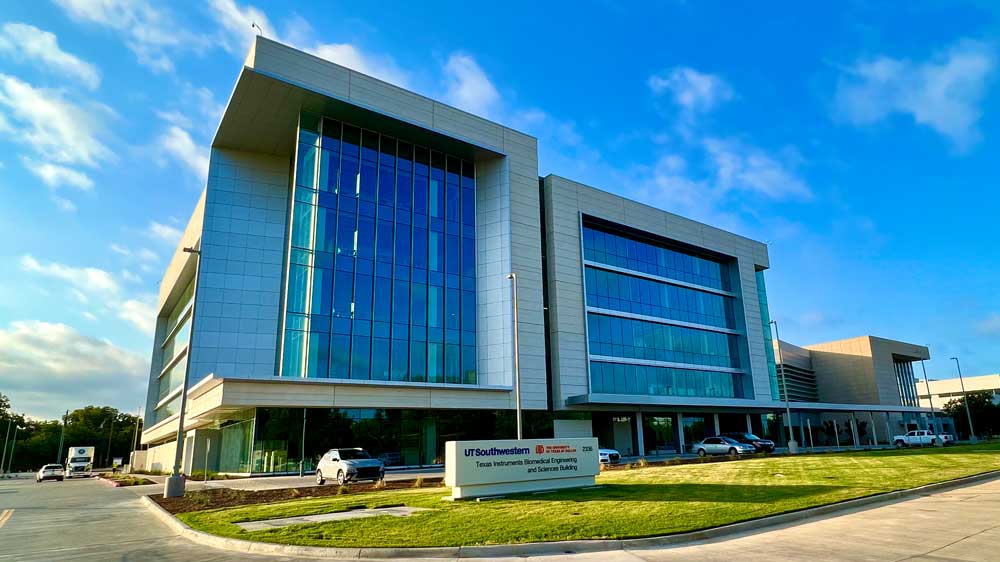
(380, 359)
(636, 339)
(382, 270)
(418, 361)
(619, 378)
(298, 288)
(620, 251)
(638, 295)
(400, 360)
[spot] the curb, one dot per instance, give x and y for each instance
(557, 547)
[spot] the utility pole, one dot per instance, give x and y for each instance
(517, 365)
(111, 430)
(10, 462)
(930, 398)
(793, 446)
(62, 438)
(968, 412)
(173, 486)
(3, 457)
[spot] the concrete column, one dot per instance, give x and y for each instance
(854, 431)
(638, 434)
(871, 420)
(888, 430)
(680, 433)
(749, 424)
(715, 418)
(802, 431)
(836, 432)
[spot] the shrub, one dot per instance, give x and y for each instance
(419, 482)
(341, 490)
(379, 485)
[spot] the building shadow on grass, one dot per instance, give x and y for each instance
(689, 492)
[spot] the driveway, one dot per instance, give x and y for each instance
(88, 521)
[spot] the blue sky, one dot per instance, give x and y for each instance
(858, 141)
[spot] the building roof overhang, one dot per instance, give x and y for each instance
(735, 404)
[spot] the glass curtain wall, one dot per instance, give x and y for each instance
(382, 261)
(637, 323)
(174, 349)
(765, 321)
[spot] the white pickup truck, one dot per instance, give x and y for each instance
(920, 437)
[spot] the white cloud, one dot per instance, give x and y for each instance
(151, 33)
(742, 167)
(55, 128)
(943, 93)
(164, 233)
(694, 91)
(236, 33)
(90, 280)
(63, 204)
(49, 367)
(140, 313)
(119, 249)
(89, 316)
(27, 43)
(55, 175)
(179, 145)
(130, 277)
(990, 325)
(468, 87)
(145, 254)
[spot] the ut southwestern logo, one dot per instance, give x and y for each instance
(539, 449)
(496, 451)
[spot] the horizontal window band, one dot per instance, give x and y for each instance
(667, 280)
(660, 320)
(664, 364)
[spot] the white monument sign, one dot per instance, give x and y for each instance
(488, 468)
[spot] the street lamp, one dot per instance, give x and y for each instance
(173, 485)
(517, 366)
(793, 445)
(10, 461)
(968, 412)
(3, 458)
(930, 398)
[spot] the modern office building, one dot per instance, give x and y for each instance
(943, 391)
(343, 281)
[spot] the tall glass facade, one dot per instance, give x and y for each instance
(660, 320)
(174, 350)
(765, 320)
(381, 281)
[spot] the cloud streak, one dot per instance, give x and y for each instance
(27, 43)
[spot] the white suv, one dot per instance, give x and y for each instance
(349, 465)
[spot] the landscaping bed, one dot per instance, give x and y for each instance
(122, 480)
(647, 501)
(228, 497)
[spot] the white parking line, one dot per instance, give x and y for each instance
(5, 516)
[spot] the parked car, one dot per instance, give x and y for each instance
(609, 456)
(721, 446)
(920, 437)
(349, 465)
(760, 445)
(50, 472)
(391, 459)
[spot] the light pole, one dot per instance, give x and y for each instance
(3, 458)
(62, 438)
(517, 366)
(968, 412)
(793, 446)
(135, 438)
(10, 461)
(111, 430)
(930, 398)
(173, 485)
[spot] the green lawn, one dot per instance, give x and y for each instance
(629, 503)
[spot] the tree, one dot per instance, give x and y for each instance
(985, 414)
(91, 426)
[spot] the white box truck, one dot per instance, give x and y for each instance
(80, 462)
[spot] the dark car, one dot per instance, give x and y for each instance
(759, 445)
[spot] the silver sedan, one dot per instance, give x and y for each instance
(721, 446)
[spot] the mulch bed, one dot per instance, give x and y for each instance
(229, 497)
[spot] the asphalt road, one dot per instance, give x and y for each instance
(88, 521)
